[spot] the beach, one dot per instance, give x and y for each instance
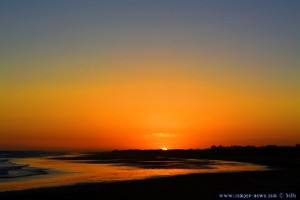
(193, 186)
(280, 178)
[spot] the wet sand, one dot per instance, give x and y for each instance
(283, 179)
(193, 186)
(59, 172)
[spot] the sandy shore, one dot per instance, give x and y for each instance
(193, 186)
(284, 179)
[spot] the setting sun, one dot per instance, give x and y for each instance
(164, 148)
(175, 78)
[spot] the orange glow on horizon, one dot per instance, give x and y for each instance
(97, 75)
(144, 115)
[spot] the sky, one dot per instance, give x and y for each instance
(92, 75)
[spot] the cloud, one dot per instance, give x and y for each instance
(163, 134)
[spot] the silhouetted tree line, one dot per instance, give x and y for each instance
(297, 146)
(249, 147)
(271, 155)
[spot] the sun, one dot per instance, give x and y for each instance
(164, 148)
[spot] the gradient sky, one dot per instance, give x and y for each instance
(86, 75)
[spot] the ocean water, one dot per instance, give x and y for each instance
(11, 169)
(30, 170)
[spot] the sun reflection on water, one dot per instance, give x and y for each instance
(62, 172)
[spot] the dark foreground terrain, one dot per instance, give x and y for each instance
(283, 182)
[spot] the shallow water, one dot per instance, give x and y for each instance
(64, 172)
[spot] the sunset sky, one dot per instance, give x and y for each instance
(118, 74)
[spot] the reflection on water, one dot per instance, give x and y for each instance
(62, 172)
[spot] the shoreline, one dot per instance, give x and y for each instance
(190, 186)
(284, 177)
(11, 170)
(111, 171)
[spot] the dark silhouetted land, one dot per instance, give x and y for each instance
(284, 178)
